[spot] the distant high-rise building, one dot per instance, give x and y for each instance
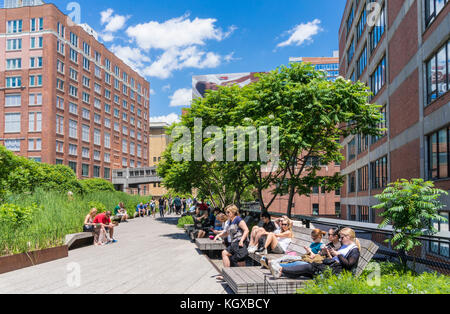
(65, 98)
(328, 64)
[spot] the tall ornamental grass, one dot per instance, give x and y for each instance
(50, 216)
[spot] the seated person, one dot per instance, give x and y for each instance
(266, 227)
(317, 245)
(346, 258)
(140, 210)
(98, 230)
(236, 252)
(120, 213)
(218, 227)
(278, 242)
(201, 222)
(104, 220)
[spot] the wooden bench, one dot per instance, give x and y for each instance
(77, 240)
(256, 280)
(208, 245)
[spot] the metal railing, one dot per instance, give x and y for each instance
(422, 258)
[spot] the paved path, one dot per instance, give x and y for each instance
(151, 256)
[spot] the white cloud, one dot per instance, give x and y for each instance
(178, 59)
(182, 97)
(170, 118)
(152, 91)
(131, 56)
(176, 33)
(108, 37)
(302, 33)
(166, 87)
(113, 22)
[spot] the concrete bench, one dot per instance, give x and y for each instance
(255, 280)
(77, 240)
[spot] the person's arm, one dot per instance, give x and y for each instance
(244, 227)
(86, 220)
(286, 234)
(351, 261)
(221, 235)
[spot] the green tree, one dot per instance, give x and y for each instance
(411, 207)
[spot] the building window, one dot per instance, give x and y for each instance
(97, 137)
(74, 39)
(107, 140)
(364, 213)
(350, 52)
(35, 80)
(124, 146)
(382, 125)
(35, 99)
(73, 133)
(351, 182)
(59, 162)
(36, 24)
(60, 125)
(12, 82)
(85, 133)
(350, 19)
(12, 145)
(378, 30)
(432, 9)
(36, 42)
(73, 166)
(378, 78)
(379, 173)
(361, 24)
(315, 210)
(352, 149)
(13, 64)
(351, 212)
(439, 154)
(59, 147)
(441, 248)
(73, 150)
(14, 44)
(35, 122)
(13, 100)
(437, 73)
(14, 27)
(363, 143)
(362, 62)
(337, 209)
(85, 170)
(36, 62)
(12, 123)
(363, 179)
(107, 172)
(96, 172)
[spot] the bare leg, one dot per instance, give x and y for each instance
(226, 259)
(271, 241)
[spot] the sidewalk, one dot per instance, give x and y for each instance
(152, 256)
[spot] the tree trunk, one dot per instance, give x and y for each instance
(291, 200)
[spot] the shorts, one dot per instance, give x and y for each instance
(88, 228)
(238, 254)
(278, 250)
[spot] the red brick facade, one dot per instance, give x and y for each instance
(98, 98)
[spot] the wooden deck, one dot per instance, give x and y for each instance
(207, 244)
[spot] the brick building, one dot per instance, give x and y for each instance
(65, 98)
(328, 64)
(404, 58)
(159, 141)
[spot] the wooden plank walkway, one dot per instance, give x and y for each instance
(151, 256)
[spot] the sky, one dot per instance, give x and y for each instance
(170, 41)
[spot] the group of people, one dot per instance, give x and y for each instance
(101, 226)
(341, 252)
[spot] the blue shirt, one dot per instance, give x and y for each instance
(316, 247)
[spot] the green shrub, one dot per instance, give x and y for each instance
(96, 185)
(392, 281)
(186, 220)
(98, 205)
(16, 216)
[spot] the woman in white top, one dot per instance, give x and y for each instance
(279, 241)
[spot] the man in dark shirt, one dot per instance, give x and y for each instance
(259, 233)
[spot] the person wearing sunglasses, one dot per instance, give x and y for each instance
(279, 241)
(346, 258)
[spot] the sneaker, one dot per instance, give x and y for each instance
(252, 249)
(263, 262)
(275, 269)
(114, 241)
(262, 252)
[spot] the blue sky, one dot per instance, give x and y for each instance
(170, 41)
